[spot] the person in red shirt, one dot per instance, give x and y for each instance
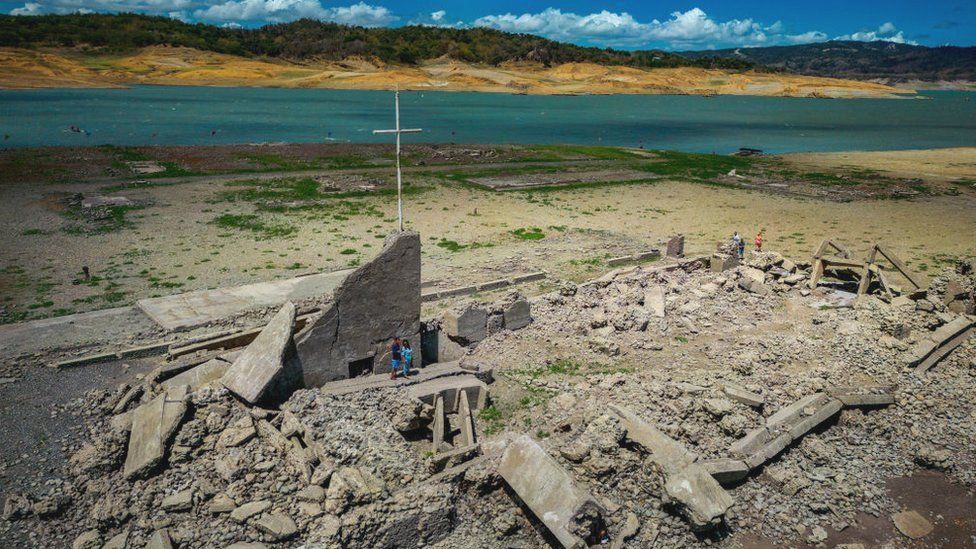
(759, 241)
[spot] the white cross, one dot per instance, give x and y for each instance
(398, 130)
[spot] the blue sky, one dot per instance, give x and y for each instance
(622, 24)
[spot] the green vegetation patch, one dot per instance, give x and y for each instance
(531, 233)
(452, 246)
(250, 222)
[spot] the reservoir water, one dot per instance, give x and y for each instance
(194, 115)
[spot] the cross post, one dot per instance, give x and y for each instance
(398, 130)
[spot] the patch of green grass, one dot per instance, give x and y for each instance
(114, 220)
(562, 152)
(30, 232)
(250, 222)
(695, 165)
(349, 251)
(531, 233)
(452, 246)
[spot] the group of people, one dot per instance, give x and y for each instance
(401, 357)
(739, 243)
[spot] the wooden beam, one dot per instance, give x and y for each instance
(899, 265)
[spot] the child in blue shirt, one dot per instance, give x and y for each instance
(407, 357)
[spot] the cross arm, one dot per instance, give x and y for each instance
(411, 130)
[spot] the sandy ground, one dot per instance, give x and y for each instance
(163, 65)
(950, 165)
(173, 244)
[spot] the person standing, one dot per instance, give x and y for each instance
(407, 359)
(742, 248)
(759, 240)
(395, 356)
(736, 240)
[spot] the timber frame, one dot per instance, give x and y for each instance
(866, 270)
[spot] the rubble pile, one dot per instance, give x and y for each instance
(652, 407)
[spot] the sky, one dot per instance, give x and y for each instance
(624, 24)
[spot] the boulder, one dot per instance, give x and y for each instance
(277, 525)
(269, 369)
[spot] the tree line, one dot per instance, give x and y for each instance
(308, 39)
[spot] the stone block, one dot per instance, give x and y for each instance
(803, 425)
(518, 314)
(700, 497)
(753, 441)
(676, 246)
(769, 450)
(547, 490)
(723, 262)
(268, 370)
(793, 412)
(743, 396)
(466, 323)
(665, 451)
(654, 300)
(153, 426)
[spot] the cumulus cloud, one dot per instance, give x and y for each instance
(162, 7)
(887, 32)
(437, 19)
(689, 29)
(277, 11)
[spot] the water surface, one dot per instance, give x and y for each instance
(194, 115)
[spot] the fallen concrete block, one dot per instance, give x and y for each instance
(437, 426)
(769, 450)
(805, 424)
(665, 451)
(751, 442)
(743, 396)
(199, 376)
(863, 396)
(791, 413)
(466, 323)
(654, 300)
(726, 470)
(548, 491)
(153, 426)
(702, 500)
(941, 342)
(466, 421)
(269, 369)
(517, 315)
(723, 262)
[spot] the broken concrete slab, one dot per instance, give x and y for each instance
(277, 525)
(665, 451)
(105, 201)
(153, 426)
(376, 302)
(547, 490)
(743, 396)
(702, 500)
(269, 369)
(723, 262)
(439, 424)
(654, 300)
(699, 496)
(938, 344)
(250, 509)
(199, 376)
(466, 323)
(912, 524)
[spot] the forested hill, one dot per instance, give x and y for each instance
(310, 39)
(860, 60)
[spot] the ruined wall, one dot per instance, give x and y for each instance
(376, 302)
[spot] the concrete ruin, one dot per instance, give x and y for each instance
(550, 492)
(376, 302)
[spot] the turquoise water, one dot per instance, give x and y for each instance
(188, 116)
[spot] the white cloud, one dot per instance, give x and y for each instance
(162, 7)
(692, 28)
(277, 11)
(887, 32)
(30, 8)
(436, 19)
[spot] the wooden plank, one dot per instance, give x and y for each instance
(900, 266)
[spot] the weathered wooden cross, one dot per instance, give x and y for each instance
(398, 130)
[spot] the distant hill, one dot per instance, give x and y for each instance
(315, 40)
(859, 60)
